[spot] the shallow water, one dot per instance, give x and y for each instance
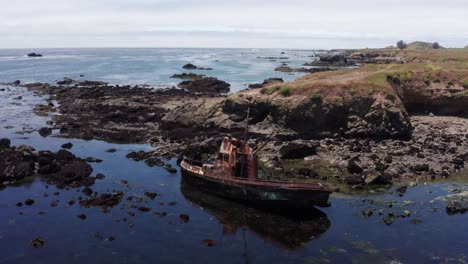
(338, 234)
(239, 67)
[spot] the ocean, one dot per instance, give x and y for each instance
(151, 66)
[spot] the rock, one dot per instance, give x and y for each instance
(74, 171)
(4, 143)
(209, 242)
(104, 200)
(170, 169)
(255, 86)
(415, 221)
(354, 180)
(88, 191)
(16, 163)
(17, 82)
(388, 159)
(388, 220)
(33, 54)
(45, 131)
(144, 209)
(272, 80)
(456, 207)
(66, 81)
(458, 161)
(19, 204)
(377, 180)
(298, 150)
(29, 202)
(190, 66)
(188, 76)
(420, 167)
(402, 189)
(81, 216)
(138, 156)
(308, 173)
(406, 213)
(154, 161)
(111, 150)
(184, 218)
(38, 242)
(353, 166)
(100, 176)
(67, 146)
(93, 160)
(207, 85)
(367, 212)
(151, 195)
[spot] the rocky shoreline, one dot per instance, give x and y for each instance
(182, 123)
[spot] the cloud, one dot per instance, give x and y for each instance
(243, 23)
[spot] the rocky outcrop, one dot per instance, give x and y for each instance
(208, 85)
(16, 163)
(190, 66)
(266, 82)
(306, 70)
(33, 54)
(188, 76)
(423, 95)
(298, 150)
(60, 168)
(298, 117)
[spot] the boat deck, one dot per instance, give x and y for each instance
(222, 175)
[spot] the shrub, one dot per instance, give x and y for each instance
(315, 97)
(435, 45)
(286, 91)
(270, 90)
(450, 83)
(465, 84)
(401, 45)
(353, 92)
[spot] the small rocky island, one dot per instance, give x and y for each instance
(34, 55)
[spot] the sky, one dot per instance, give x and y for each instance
(294, 24)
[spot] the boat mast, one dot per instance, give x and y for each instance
(247, 124)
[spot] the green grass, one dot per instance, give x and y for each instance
(286, 91)
(270, 90)
(465, 84)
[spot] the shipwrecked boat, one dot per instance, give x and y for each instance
(234, 175)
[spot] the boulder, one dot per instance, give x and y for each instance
(33, 54)
(5, 143)
(420, 167)
(456, 207)
(190, 66)
(298, 149)
(45, 131)
(207, 85)
(353, 166)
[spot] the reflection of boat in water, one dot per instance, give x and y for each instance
(234, 175)
(288, 230)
